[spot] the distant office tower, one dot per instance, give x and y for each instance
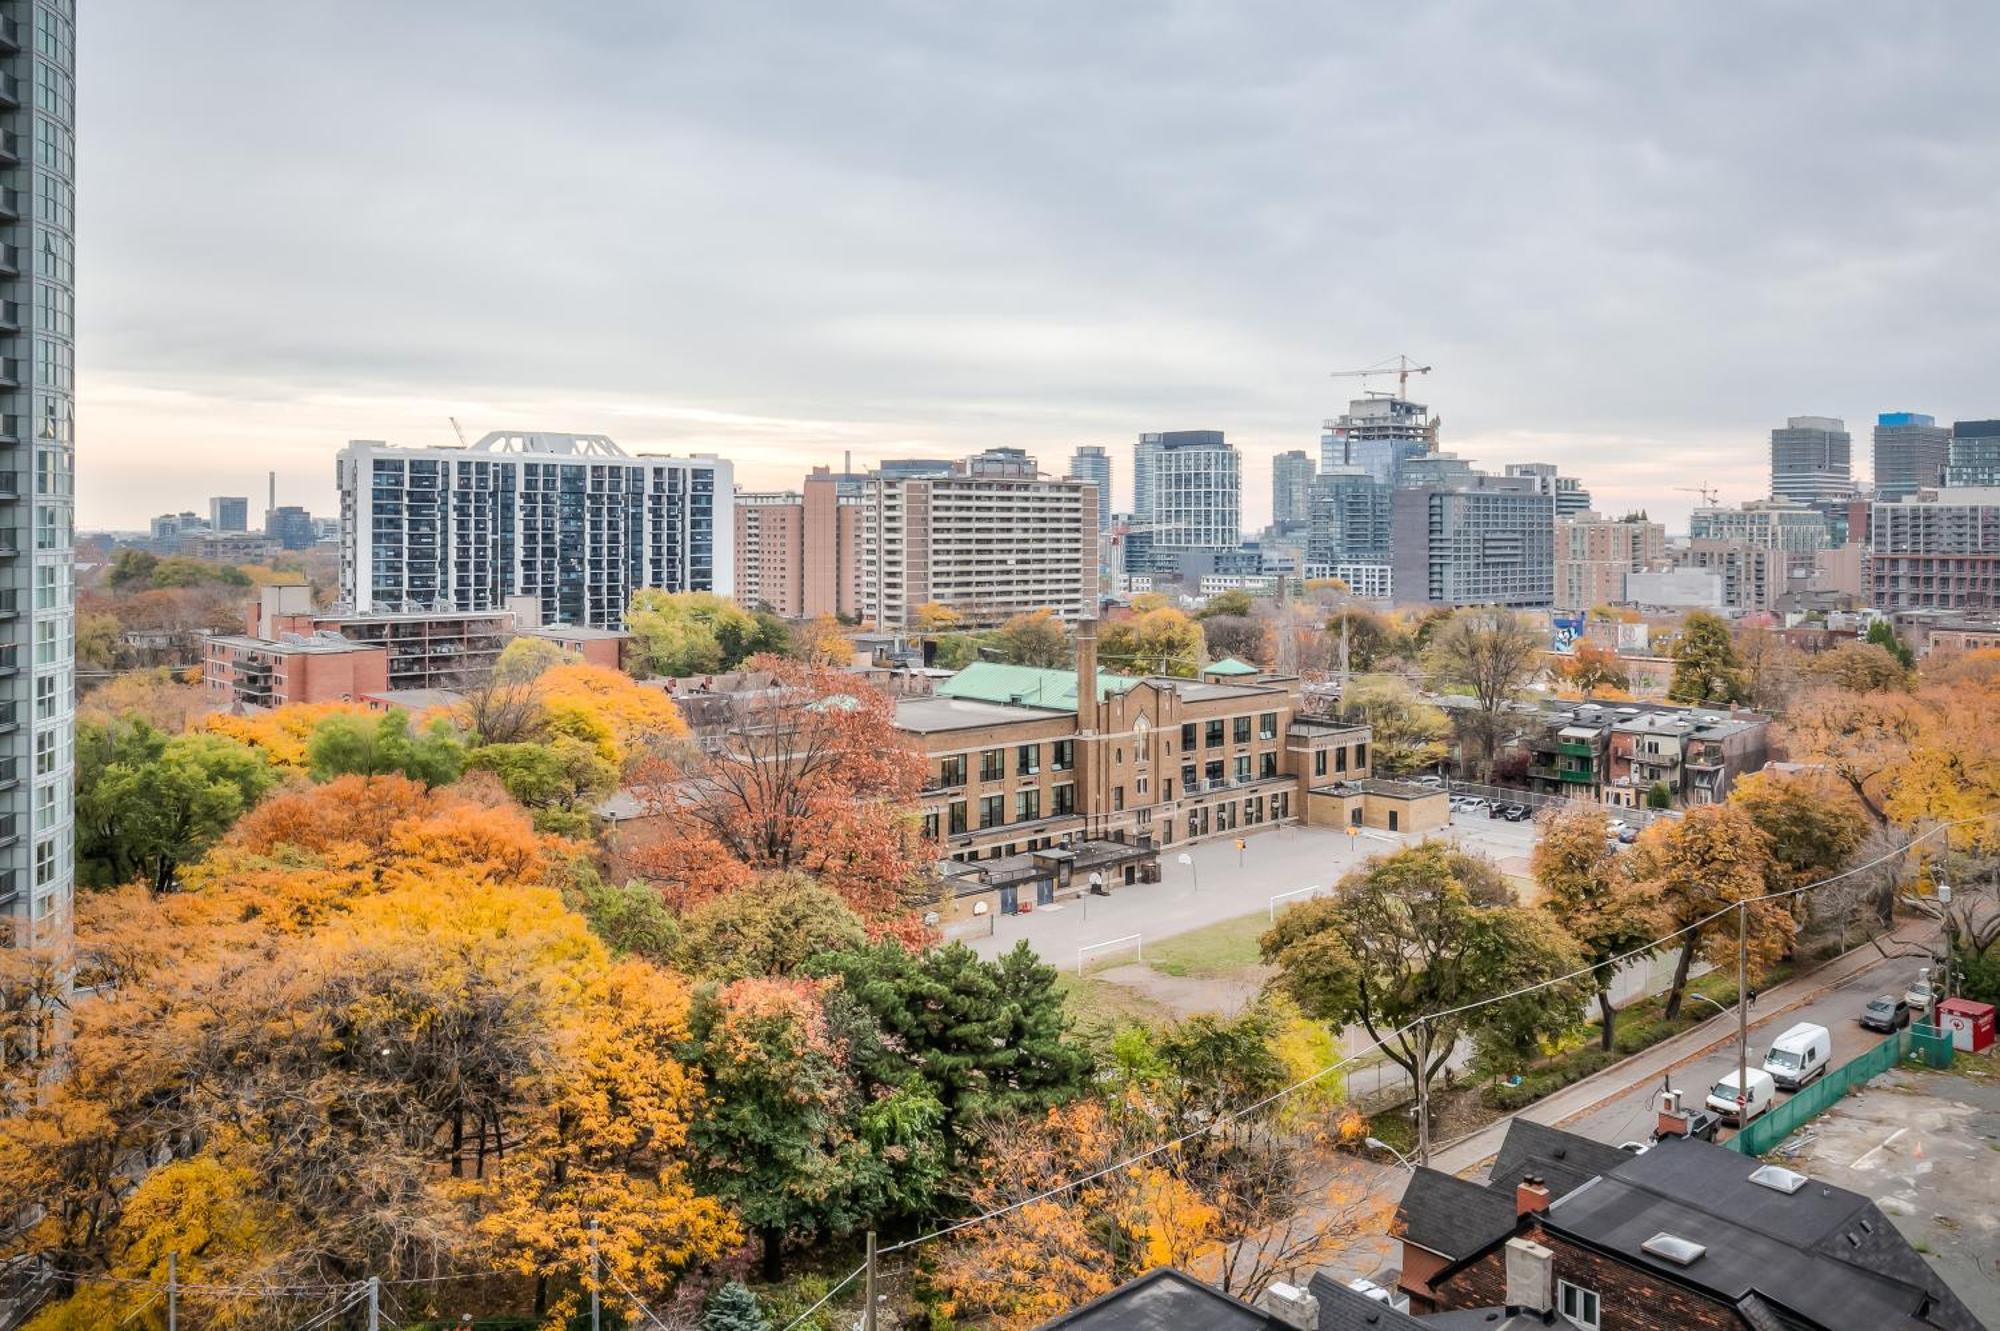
(1291, 490)
(292, 527)
(1196, 501)
(1350, 519)
(1797, 532)
(1145, 460)
(1974, 457)
(227, 513)
(37, 588)
(168, 528)
(1378, 434)
(1937, 554)
(1486, 541)
(988, 541)
(1568, 492)
(571, 520)
(1812, 461)
(1910, 451)
(1594, 555)
(1093, 464)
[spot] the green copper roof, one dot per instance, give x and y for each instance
(1228, 665)
(990, 681)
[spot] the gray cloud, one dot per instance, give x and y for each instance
(1630, 237)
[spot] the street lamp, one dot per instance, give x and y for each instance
(1378, 1144)
(1711, 1002)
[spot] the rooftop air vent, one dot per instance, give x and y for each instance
(1674, 1248)
(1778, 1179)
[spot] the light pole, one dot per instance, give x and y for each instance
(1401, 1159)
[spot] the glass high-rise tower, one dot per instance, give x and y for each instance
(37, 466)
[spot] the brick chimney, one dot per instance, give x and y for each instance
(1531, 1196)
(1291, 1305)
(1086, 675)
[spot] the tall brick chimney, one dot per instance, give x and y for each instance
(1086, 674)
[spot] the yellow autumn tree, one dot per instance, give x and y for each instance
(283, 733)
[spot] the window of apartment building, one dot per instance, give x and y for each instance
(931, 826)
(1117, 799)
(1578, 1304)
(951, 771)
(1340, 759)
(1187, 736)
(1063, 758)
(992, 811)
(1062, 799)
(1242, 729)
(1267, 765)
(992, 764)
(1027, 759)
(1213, 770)
(1267, 725)
(1213, 739)
(1319, 762)
(955, 818)
(1027, 805)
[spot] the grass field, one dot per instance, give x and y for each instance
(1223, 955)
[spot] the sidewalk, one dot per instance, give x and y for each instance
(1648, 1066)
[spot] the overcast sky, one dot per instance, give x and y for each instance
(1631, 238)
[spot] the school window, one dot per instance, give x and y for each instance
(955, 817)
(1360, 756)
(1340, 759)
(1242, 767)
(930, 827)
(1267, 725)
(1140, 784)
(992, 764)
(1117, 799)
(1319, 763)
(1212, 771)
(1027, 759)
(1578, 1304)
(1027, 805)
(1062, 800)
(1213, 737)
(1267, 765)
(992, 811)
(1187, 736)
(1242, 729)
(1064, 757)
(951, 771)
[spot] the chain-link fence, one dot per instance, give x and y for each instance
(1537, 803)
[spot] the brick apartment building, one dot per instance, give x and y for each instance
(1615, 752)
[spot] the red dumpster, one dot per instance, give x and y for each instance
(1970, 1024)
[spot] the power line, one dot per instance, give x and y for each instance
(640, 1303)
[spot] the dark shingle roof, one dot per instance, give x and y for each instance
(1165, 1300)
(1343, 1309)
(1563, 1160)
(1452, 1216)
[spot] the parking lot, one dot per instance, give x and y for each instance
(1926, 1147)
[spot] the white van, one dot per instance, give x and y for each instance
(1723, 1097)
(1800, 1054)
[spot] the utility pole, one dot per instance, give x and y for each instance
(596, 1274)
(1423, 1091)
(374, 1303)
(868, 1313)
(1742, 1014)
(173, 1291)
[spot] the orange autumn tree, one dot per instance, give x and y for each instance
(809, 775)
(640, 720)
(367, 1037)
(283, 734)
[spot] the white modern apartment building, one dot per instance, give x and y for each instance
(991, 540)
(571, 520)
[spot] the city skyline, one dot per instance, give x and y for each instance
(1611, 310)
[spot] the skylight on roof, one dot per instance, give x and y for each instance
(1674, 1248)
(1778, 1179)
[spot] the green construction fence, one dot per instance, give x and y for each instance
(1926, 1043)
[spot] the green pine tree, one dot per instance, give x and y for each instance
(1706, 670)
(733, 1308)
(1885, 637)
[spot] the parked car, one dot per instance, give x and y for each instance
(1803, 1052)
(1430, 779)
(1886, 1013)
(1920, 995)
(1737, 1108)
(1628, 835)
(1515, 813)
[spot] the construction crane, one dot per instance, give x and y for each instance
(455, 429)
(1707, 492)
(1403, 368)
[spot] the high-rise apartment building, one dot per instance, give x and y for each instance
(1973, 460)
(1594, 555)
(770, 551)
(227, 513)
(1379, 433)
(1350, 518)
(1291, 490)
(1486, 541)
(1197, 495)
(1568, 492)
(1145, 459)
(1910, 450)
(989, 541)
(1812, 461)
(37, 587)
(1091, 463)
(1796, 531)
(1940, 553)
(291, 527)
(1752, 577)
(571, 520)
